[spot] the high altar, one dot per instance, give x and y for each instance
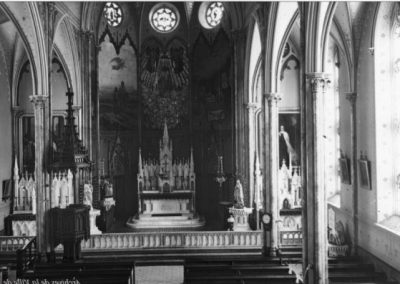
(166, 192)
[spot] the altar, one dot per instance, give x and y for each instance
(166, 192)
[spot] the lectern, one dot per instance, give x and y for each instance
(70, 226)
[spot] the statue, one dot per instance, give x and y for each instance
(287, 152)
(108, 189)
(33, 201)
(88, 195)
(238, 195)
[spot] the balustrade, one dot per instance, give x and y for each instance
(10, 243)
(217, 239)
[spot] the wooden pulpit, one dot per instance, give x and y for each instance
(69, 227)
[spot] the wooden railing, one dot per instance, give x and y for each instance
(198, 240)
(26, 257)
(10, 243)
(291, 238)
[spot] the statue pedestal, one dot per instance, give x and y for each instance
(241, 216)
(93, 213)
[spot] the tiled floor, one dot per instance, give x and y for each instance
(172, 274)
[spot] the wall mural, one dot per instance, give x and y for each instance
(164, 81)
(28, 144)
(117, 86)
(289, 139)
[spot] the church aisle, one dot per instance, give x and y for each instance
(159, 274)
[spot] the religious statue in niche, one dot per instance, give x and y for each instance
(164, 78)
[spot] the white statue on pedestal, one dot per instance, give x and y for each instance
(238, 195)
(33, 200)
(88, 195)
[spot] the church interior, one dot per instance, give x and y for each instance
(224, 142)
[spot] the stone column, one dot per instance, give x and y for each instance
(251, 107)
(316, 211)
(352, 98)
(272, 189)
(39, 105)
(240, 155)
(86, 39)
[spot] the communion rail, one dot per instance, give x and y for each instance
(188, 240)
(26, 257)
(11, 243)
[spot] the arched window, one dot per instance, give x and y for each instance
(211, 14)
(113, 14)
(332, 124)
(387, 106)
(164, 17)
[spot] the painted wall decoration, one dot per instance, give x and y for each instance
(289, 139)
(164, 82)
(117, 85)
(28, 144)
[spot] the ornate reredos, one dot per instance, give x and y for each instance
(164, 80)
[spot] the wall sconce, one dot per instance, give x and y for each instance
(220, 178)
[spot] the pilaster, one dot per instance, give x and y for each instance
(273, 161)
(251, 110)
(39, 107)
(316, 203)
(240, 155)
(352, 98)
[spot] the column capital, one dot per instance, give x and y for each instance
(352, 97)
(252, 106)
(273, 97)
(38, 99)
(319, 81)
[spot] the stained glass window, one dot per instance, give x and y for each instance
(164, 18)
(113, 14)
(214, 13)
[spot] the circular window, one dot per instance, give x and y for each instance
(214, 13)
(211, 14)
(113, 14)
(164, 18)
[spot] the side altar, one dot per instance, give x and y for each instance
(166, 192)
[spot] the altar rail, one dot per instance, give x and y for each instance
(189, 240)
(10, 243)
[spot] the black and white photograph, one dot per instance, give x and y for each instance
(196, 142)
